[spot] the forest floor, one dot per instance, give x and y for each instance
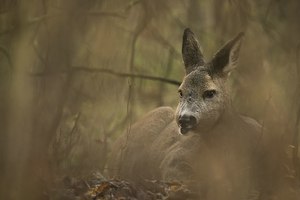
(95, 187)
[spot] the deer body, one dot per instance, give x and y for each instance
(203, 140)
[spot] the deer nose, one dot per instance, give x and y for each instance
(187, 121)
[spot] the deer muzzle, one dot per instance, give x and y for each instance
(186, 122)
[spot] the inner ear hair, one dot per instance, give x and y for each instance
(226, 59)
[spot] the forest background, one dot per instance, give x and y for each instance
(75, 74)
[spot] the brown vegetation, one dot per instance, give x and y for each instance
(60, 110)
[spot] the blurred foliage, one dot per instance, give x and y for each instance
(59, 120)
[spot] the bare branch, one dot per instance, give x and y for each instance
(112, 72)
(131, 4)
(296, 131)
(121, 74)
(6, 53)
(166, 74)
(39, 19)
(105, 14)
(163, 41)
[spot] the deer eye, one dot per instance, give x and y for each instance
(180, 93)
(208, 94)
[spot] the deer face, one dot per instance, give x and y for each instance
(203, 93)
(202, 101)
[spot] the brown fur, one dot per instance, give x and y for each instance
(219, 149)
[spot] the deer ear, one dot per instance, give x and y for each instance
(226, 58)
(191, 51)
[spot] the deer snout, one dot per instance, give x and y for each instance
(186, 122)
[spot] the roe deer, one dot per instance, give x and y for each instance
(204, 140)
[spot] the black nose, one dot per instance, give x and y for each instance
(187, 120)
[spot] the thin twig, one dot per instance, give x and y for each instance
(131, 4)
(163, 41)
(138, 30)
(39, 19)
(105, 14)
(166, 74)
(6, 53)
(267, 104)
(296, 131)
(112, 72)
(124, 74)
